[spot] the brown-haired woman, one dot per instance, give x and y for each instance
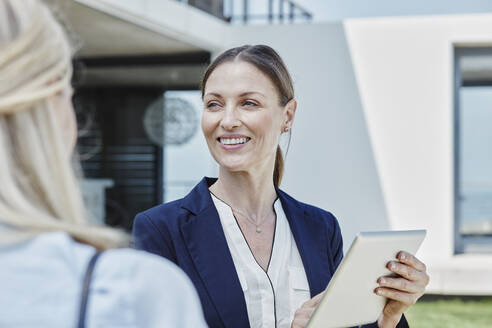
(257, 257)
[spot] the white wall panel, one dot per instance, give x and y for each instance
(404, 69)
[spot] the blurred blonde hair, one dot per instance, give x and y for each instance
(39, 191)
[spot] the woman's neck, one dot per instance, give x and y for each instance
(243, 191)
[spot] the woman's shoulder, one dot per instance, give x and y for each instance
(170, 213)
(330, 221)
(139, 275)
(161, 292)
(311, 210)
(140, 267)
(125, 275)
(323, 218)
(163, 218)
(113, 264)
(162, 209)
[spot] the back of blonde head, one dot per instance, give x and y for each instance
(38, 188)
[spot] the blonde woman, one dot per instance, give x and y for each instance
(46, 247)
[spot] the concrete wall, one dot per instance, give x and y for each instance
(173, 19)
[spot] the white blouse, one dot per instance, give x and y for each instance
(272, 297)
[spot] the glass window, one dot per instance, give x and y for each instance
(473, 134)
(186, 160)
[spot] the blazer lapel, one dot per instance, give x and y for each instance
(311, 242)
(206, 242)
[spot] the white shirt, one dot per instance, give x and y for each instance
(272, 297)
(41, 281)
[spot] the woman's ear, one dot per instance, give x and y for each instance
(289, 114)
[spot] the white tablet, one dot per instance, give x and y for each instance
(350, 299)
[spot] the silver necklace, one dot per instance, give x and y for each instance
(258, 225)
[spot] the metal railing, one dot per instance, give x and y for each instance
(239, 11)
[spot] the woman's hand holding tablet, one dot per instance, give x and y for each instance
(376, 281)
(303, 314)
(402, 291)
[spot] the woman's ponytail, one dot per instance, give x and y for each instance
(278, 170)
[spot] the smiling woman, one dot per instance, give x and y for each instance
(258, 257)
(242, 121)
(265, 91)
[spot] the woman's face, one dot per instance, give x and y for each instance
(242, 117)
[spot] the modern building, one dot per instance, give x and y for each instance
(392, 129)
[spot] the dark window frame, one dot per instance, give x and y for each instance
(465, 244)
(198, 59)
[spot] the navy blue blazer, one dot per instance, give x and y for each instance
(188, 232)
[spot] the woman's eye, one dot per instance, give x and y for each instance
(212, 105)
(249, 104)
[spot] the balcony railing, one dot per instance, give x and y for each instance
(242, 11)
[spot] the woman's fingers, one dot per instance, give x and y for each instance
(401, 284)
(301, 318)
(302, 315)
(402, 291)
(408, 272)
(411, 260)
(403, 297)
(304, 312)
(313, 302)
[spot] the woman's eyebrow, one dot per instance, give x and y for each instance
(248, 93)
(217, 95)
(243, 94)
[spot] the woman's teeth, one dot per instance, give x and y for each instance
(233, 141)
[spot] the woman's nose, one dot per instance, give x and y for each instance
(230, 120)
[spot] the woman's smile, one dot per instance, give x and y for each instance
(242, 117)
(233, 141)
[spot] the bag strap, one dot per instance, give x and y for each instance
(86, 287)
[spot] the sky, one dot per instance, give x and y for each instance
(336, 10)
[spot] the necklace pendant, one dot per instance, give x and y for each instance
(258, 229)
